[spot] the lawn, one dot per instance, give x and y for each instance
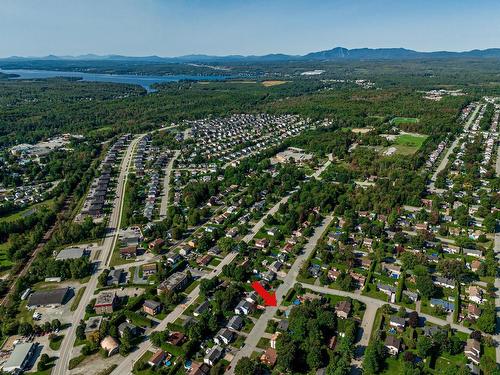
(408, 144)
(404, 120)
(138, 319)
(55, 344)
(27, 211)
(394, 366)
(77, 299)
(263, 343)
(5, 263)
(377, 322)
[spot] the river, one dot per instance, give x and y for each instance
(142, 80)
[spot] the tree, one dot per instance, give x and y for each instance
(226, 244)
(43, 362)
(490, 223)
(425, 286)
(247, 366)
(488, 366)
(25, 329)
(413, 319)
(424, 346)
(80, 331)
(287, 351)
(56, 324)
(374, 355)
(402, 312)
(314, 356)
(487, 320)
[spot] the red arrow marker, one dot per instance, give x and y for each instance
(269, 299)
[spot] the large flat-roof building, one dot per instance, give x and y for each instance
(20, 357)
(174, 283)
(72, 253)
(105, 302)
(49, 298)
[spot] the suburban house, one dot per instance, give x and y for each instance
(475, 294)
(343, 308)
(473, 311)
(202, 307)
(392, 344)
(447, 306)
(397, 322)
(444, 282)
(157, 358)
(472, 351)
(213, 355)
(269, 357)
(224, 336)
(235, 323)
(244, 308)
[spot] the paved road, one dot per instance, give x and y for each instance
(259, 328)
(378, 303)
(444, 162)
(103, 258)
(126, 366)
(497, 279)
(166, 186)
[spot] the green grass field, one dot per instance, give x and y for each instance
(4, 261)
(408, 144)
(404, 120)
(27, 211)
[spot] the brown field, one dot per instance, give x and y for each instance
(361, 130)
(273, 83)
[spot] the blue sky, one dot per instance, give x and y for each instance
(179, 27)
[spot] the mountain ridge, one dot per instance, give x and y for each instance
(337, 53)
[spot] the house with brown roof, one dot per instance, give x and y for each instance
(149, 269)
(157, 358)
(203, 260)
(393, 345)
(472, 351)
(156, 244)
(199, 369)
(343, 308)
(475, 265)
(333, 274)
(269, 357)
(128, 252)
(176, 338)
(473, 311)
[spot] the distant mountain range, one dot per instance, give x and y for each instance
(337, 53)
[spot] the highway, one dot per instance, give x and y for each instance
(103, 258)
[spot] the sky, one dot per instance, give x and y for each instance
(247, 27)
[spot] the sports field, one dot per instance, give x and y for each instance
(404, 120)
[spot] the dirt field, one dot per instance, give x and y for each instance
(273, 83)
(361, 130)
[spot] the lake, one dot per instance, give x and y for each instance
(142, 80)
